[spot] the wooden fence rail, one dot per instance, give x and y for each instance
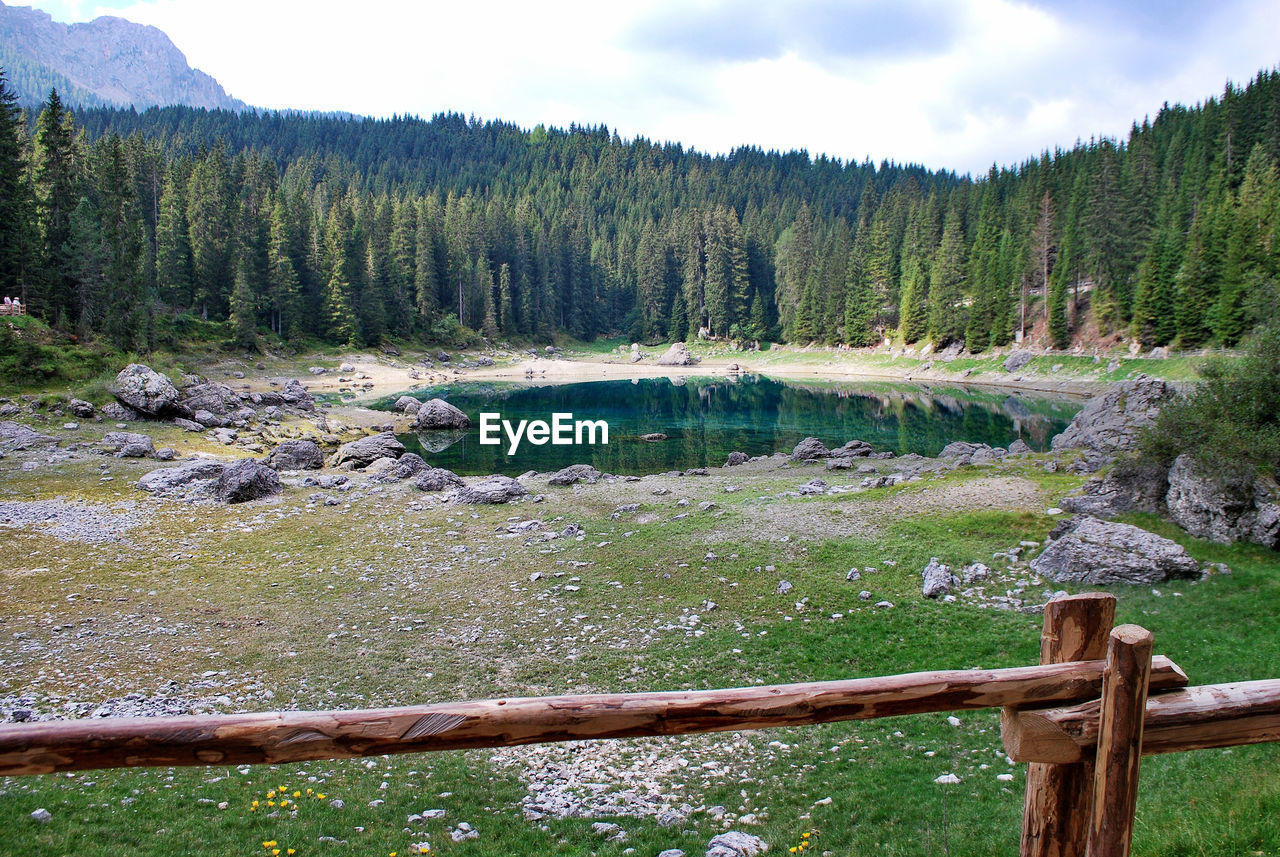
(1084, 717)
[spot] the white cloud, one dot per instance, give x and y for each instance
(1001, 80)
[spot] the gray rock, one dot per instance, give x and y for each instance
(974, 573)
(81, 408)
(296, 455)
(1020, 447)
(42, 815)
(1223, 507)
(16, 436)
(208, 419)
(439, 414)
(677, 355)
(935, 579)
(184, 424)
(295, 395)
(575, 473)
(1131, 485)
(671, 852)
(166, 453)
(209, 396)
(812, 487)
(852, 449)
(1017, 360)
(960, 448)
(492, 489)
(408, 465)
(246, 480)
(366, 450)
(735, 458)
(127, 444)
(810, 448)
(734, 843)
(1095, 551)
(784, 586)
(1109, 424)
(145, 390)
(193, 480)
(653, 437)
(121, 414)
(406, 405)
(435, 479)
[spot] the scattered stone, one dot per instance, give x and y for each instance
(406, 405)
(42, 815)
(974, 573)
(812, 487)
(439, 414)
(784, 586)
(936, 579)
(82, 409)
(493, 489)
(211, 397)
(435, 479)
(1020, 447)
(16, 436)
(397, 469)
(145, 390)
(575, 473)
(1091, 551)
(121, 414)
(948, 780)
(707, 506)
(653, 436)
(853, 449)
(185, 424)
(736, 458)
(125, 444)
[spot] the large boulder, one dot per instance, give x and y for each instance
(398, 469)
(296, 455)
(127, 444)
(853, 449)
(435, 479)
(193, 480)
(367, 450)
(735, 843)
(1017, 360)
(122, 414)
(810, 448)
(246, 480)
(1109, 424)
(1131, 485)
(1223, 508)
(575, 473)
(406, 405)
(1094, 551)
(491, 489)
(735, 458)
(82, 409)
(439, 414)
(145, 390)
(211, 397)
(677, 355)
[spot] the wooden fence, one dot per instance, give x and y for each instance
(1082, 718)
(13, 309)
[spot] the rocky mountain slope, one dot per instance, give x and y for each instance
(112, 59)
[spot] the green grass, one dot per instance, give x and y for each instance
(373, 605)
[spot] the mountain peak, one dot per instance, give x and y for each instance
(111, 59)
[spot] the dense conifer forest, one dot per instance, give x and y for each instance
(128, 227)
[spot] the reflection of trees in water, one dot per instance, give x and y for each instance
(705, 419)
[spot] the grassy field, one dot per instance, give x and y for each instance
(391, 598)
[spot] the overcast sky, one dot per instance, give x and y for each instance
(951, 84)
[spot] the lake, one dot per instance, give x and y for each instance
(707, 418)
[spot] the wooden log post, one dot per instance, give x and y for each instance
(1054, 819)
(1115, 777)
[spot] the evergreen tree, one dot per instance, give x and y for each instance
(57, 196)
(243, 312)
(174, 265)
(506, 301)
(946, 283)
(284, 287)
(16, 205)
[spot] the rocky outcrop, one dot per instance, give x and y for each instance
(210, 397)
(677, 355)
(575, 473)
(1093, 552)
(1109, 424)
(735, 458)
(145, 390)
(408, 465)
(1223, 508)
(82, 409)
(1017, 360)
(296, 455)
(439, 414)
(810, 448)
(295, 395)
(853, 449)
(1130, 486)
(363, 452)
(406, 405)
(734, 843)
(193, 480)
(246, 480)
(127, 444)
(120, 413)
(490, 490)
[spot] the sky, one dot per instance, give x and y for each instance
(950, 84)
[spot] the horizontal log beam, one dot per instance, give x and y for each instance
(295, 736)
(1197, 718)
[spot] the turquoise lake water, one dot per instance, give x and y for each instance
(707, 418)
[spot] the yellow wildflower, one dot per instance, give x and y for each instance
(321, 797)
(271, 794)
(290, 851)
(275, 852)
(297, 794)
